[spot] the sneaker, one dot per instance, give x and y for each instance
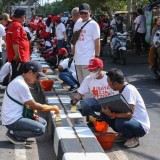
(119, 138)
(73, 89)
(133, 142)
(13, 139)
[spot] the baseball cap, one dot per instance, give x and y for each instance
(62, 51)
(19, 12)
(84, 7)
(5, 16)
(55, 18)
(35, 66)
(94, 63)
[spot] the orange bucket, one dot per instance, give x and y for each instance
(44, 70)
(106, 140)
(101, 126)
(47, 85)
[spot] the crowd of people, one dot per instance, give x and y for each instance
(79, 67)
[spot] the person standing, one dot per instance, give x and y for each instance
(88, 44)
(4, 21)
(60, 32)
(18, 49)
(140, 31)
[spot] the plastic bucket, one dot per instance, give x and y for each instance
(101, 126)
(47, 85)
(106, 140)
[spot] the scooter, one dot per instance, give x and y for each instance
(120, 47)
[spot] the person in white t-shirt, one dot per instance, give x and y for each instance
(129, 125)
(67, 73)
(4, 20)
(17, 95)
(88, 44)
(140, 31)
(96, 84)
(60, 32)
(5, 74)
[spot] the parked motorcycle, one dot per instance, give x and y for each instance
(119, 44)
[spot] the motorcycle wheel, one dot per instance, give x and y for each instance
(123, 57)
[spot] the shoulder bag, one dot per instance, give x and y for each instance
(27, 111)
(76, 34)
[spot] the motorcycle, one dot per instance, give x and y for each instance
(119, 45)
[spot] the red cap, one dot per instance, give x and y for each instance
(94, 63)
(55, 18)
(49, 16)
(62, 51)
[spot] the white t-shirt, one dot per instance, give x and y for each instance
(60, 28)
(49, 29)
(2, 34)
(5, 70)
(85, 46)
(99, 88)
(140, 114)
(12, 111)
(72, 69)
(141, 20)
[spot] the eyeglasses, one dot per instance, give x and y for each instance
(81, 13)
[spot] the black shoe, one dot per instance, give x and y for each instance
(13, 139)
(73, 89)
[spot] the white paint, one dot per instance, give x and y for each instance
(20, 152)
(84, 132)
(74, 156)
(97, 156)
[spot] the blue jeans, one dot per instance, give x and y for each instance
(128, 127)
(60, 44)
(89, 106)
(25, 128)
(68, 78)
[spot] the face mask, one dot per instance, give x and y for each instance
(94, 75)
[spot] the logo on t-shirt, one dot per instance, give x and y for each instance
(82, 35)
(101, 92)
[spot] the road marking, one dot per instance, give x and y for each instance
(20, 152)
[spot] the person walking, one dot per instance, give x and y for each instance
(18, 48)
(88, 44)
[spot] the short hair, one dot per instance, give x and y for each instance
(116, 75)
(75, 11)
(139, 11)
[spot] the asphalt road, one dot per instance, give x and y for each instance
(138, 74)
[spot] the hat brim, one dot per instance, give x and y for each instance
(90, 68)
(41, 74)
(86, 11)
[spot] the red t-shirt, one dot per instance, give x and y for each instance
(15, 34)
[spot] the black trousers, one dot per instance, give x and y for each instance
(140, 40)
(17, 68)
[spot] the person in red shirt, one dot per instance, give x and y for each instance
(18, 48)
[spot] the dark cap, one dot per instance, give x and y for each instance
(35, 66)
(84, 7)
(19, 12)
(5, 16)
